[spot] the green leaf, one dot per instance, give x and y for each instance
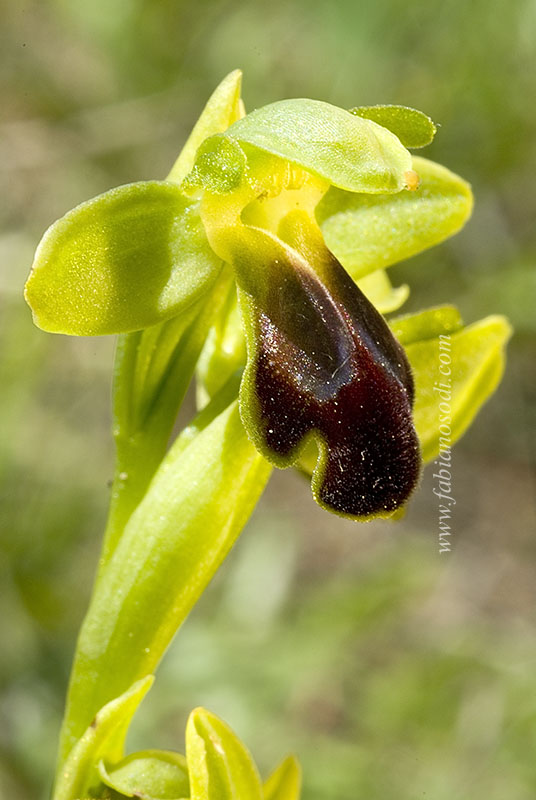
(148, 775)
(427, 324)
(223, 108)
(475, 358)
(367, 232)
(285, 782)
(378, 289)
(413, 128)
(191, 515)
(110, 723)
(123, 261)
(348, 152)
(219, 765)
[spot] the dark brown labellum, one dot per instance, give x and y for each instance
(323, 360)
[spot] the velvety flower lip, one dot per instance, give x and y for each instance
(323, 363)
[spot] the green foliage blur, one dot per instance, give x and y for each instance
(391, 670)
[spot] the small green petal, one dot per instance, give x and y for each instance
(285, 782)
(367, 232)
(413, 128)
(461, 371)
(219, 764)
(222, 109)
(378, 289)
(148, 775)
(122, 261)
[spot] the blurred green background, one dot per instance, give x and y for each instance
(392, 671)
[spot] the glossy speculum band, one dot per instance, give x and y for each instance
(327, 362)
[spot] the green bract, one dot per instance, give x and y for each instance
(220, 766)
(150, 775)
(259, 267)
(217, 765)
(103, 738)
(285, 782)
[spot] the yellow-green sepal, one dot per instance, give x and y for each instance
(123, 261)
(368, 232)
(352, 153)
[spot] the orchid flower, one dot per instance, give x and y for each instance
(259, 266)
(302, 199)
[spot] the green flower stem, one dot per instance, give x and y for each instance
(281, 195)
(131, 618)
(152, 374)
(207, 485)
(140, 448)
